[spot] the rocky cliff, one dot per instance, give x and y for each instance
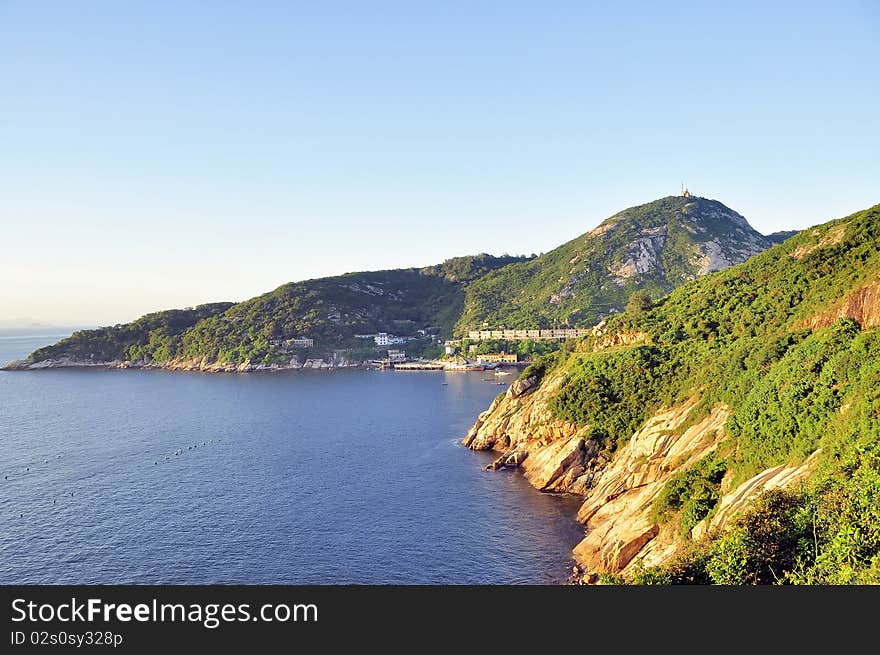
(553, 454)
(862, 305)
(619, 492)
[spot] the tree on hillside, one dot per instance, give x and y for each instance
(639, 303)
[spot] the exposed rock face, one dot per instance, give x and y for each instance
(653, 247)
(28, 365)
(203, 365)
(710, 257)
(643, 255)
(628, 338)
(522, 387)
(558, 456)
(554, 455)
(545, 467)
(863, 305)
(734, 502)
(521, 419)
(716, 254)
(617, 511)
(833, 236)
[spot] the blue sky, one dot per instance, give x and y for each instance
(160, 154)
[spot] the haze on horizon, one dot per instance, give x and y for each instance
(165, 157)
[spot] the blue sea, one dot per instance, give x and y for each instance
(287, 478)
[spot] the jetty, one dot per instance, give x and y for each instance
(417, 366)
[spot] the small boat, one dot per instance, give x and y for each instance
(502, 372)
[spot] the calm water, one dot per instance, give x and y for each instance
(312, 477)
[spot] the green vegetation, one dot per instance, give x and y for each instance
(690, 496)
(649, 249)
(779, 237)
(538, 369)
(330, 310)
(154, 336)
(612, 392)
(639, 303)
(526, 349)
(768, 338)
(464, 270)
(738, 337)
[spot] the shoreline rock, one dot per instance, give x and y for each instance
(618, 492)
(195, 366)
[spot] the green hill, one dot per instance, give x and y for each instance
(653, 248)
(155, 333)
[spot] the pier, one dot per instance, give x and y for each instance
(417, 366)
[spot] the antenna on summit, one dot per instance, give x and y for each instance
(684, 192)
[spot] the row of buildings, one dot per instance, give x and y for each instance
(535, 335)
(499, 358)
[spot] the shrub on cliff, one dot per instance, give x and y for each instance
(612, 392)
(691, 495)
(765, 543)
(541, 366)
(846, 524)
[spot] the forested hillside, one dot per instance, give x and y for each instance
(652, 248)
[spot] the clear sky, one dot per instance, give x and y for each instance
(167, 153)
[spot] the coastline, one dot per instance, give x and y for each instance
(619, 489)
(192, 366)
(206, 366)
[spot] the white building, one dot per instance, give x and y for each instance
(385, 339)
(396, 355)
(300, 342)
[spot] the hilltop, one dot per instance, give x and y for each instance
(728, 432)
(653, 248)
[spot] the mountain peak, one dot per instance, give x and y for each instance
(683, 209)
(652, 247)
